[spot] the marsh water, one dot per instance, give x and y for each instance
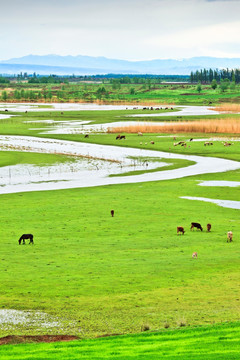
(99, 161)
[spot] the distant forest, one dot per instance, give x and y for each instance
(206, 76)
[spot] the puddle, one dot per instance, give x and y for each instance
(223, 203)
(82, 174)
(220, 183)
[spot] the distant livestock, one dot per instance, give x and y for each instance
(194, 255)
(140, 133)
(182, 143)
(86, 136)
(229, 236)
(180, 230)
(120, 137)
(208, 143)
(196, 225)
(152, 142)
(227, 144)
(112, 213)
(209, 227)
(25, 237)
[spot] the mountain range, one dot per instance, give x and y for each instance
(89, 65)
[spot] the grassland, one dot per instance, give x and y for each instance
(161, 93)
(208, 343)
(100, 275)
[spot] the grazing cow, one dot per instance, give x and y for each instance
(140, 134)
(196, 225)
(112, 213)
(6, 109)
(166, 108)
(118, 137)
(151, 108)
(122, 137)
(157, 109)
(229, 236)
(24, 237)
(191, 139)
(227, 144)
(26, 112)
(208, 143)
(171, 108)
(209, 227)
(194, 255)
(152, 142)
(182, 143)
(180, 229)
(86, 136)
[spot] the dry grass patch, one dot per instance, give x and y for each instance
(229, 108)
(230, 126)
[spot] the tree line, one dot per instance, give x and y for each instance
(206, 76)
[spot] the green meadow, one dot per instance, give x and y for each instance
(100, 275)
(208, 343)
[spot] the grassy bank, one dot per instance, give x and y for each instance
(207, 343)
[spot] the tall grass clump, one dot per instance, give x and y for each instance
(231, 126)
(228, 108)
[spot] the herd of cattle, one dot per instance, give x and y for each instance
(180, 230)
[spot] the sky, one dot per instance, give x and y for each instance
(120, 29)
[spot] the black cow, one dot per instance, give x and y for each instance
(24, 237)
(196, 225)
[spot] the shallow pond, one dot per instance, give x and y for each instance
(224, 203)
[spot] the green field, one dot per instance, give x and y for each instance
(97, 275)
(208, 343)
(159, 93)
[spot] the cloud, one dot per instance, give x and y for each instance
(128, 29)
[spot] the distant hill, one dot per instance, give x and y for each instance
(89, 65)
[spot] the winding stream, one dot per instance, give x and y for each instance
(116, 157)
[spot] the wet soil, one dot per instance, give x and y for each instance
(18, 339)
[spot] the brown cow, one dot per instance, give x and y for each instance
(194, 255)
(229, 236)
(180, 229)
(112, 213)
(209, 227)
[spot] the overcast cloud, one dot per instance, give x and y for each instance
(124, 29)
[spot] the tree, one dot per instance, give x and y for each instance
(4, 95)
(199, 87)
(214, 84)
(224, 84)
